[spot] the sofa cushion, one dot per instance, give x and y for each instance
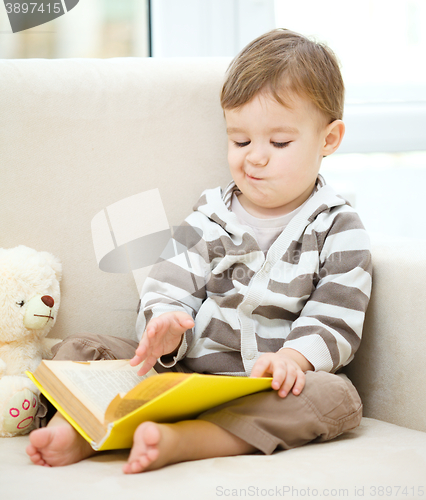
(372, 461)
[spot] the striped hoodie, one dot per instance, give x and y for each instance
(309, 292)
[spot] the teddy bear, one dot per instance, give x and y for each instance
(29, 303)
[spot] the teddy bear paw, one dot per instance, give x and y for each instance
(19, 413)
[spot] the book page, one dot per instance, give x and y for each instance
(97, 383)
(142, 394)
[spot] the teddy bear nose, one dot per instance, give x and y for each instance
(47, 300)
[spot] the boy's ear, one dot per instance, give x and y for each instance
(334, 133)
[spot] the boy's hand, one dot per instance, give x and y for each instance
(287, 369)
(162, 336)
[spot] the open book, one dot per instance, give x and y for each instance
(106, 400)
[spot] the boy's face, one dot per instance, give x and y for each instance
(275, 153)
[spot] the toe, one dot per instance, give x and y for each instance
(145, 449)
(37, 459)
(142, 464)
(30, 450)
(132, 467)
(40, 438)
(34, 455)
(136, 467)
(152, 434)
(152, 454)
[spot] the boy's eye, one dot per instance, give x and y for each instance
(241, 144)
(281, 144)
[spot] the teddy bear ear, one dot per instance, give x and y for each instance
(54, 263)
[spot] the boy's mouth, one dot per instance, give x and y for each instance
(254, 178)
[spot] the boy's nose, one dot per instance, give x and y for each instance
(257, 157)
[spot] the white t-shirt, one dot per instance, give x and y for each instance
(266, 230)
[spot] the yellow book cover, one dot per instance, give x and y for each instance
(105, 401)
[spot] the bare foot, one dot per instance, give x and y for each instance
(152, 444)
(57, 444)
(156, 445)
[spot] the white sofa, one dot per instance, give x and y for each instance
(79, 135)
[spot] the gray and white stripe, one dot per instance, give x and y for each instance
(310, 292)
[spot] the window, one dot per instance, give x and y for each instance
(93, 28)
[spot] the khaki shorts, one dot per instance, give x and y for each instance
(328, 406)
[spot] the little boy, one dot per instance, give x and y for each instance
(277, 286)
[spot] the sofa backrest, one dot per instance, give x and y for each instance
(78, 135)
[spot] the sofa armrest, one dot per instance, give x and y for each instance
(389, 369)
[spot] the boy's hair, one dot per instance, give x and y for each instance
(283, 62)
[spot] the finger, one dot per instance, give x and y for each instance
(144, 342)
(279, 376)
(135, 360)
(156, 326)
(186, 323)
(147, 365)
(141, 349)
(184, 319)
(261, 367)
(152, 329)
(299, 384)
(144, 370)
(180, 323)
(288, 382)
